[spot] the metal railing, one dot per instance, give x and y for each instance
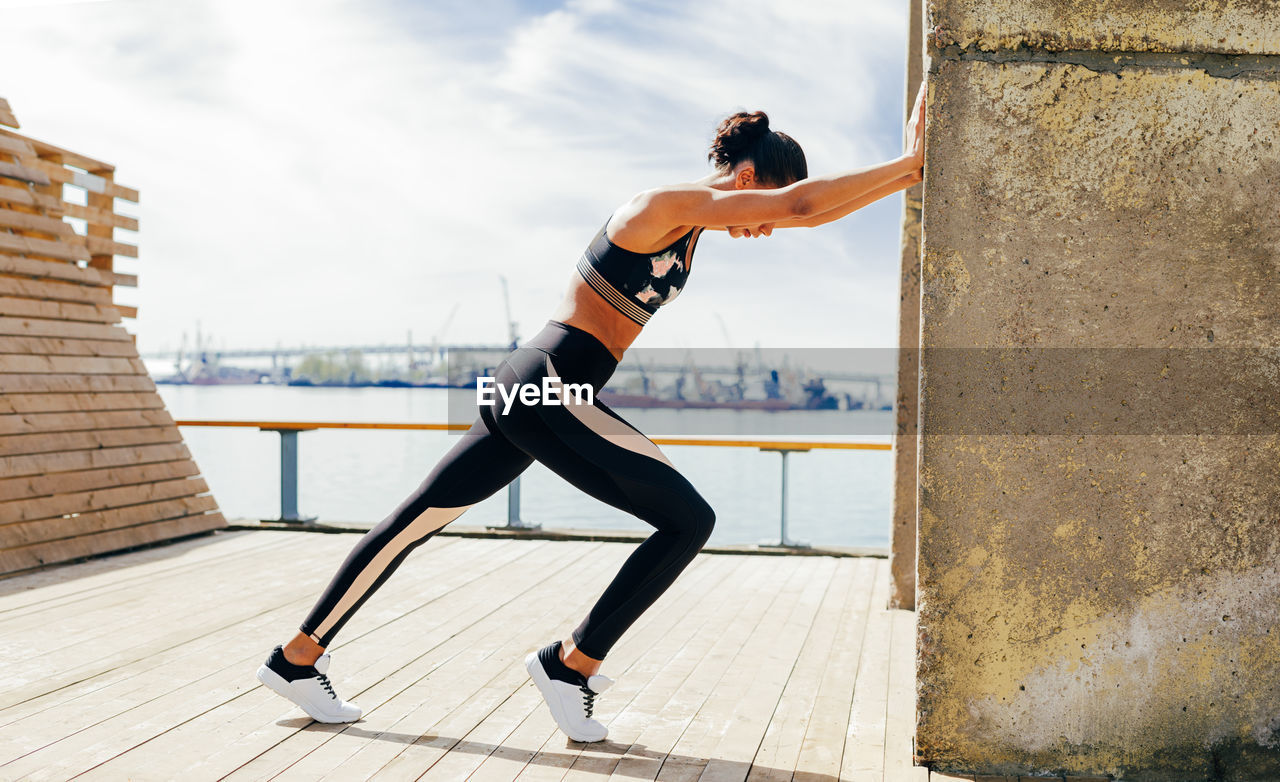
(289, 430)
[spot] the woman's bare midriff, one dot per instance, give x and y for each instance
(583, 308)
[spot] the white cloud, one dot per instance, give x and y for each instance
(4, 4)
(337, 172)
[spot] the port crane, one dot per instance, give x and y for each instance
(739, 390)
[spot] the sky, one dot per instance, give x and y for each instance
(316, 172)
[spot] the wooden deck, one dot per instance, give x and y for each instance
(141, 666)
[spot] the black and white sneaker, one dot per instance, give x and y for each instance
(307, 686)
(570, 695)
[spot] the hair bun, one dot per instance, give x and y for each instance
(736, 134)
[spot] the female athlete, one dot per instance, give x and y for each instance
(639, 261)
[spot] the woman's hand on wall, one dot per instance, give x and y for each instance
(915, 129)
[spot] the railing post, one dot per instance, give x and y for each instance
(783, 541)
(289, 477)
(513, 510)
(513, 503)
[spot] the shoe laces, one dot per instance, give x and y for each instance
(588, 698)
(324, 682)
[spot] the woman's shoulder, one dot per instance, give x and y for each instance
(649, 219)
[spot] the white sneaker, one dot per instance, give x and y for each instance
(570, 704)
(307, 686)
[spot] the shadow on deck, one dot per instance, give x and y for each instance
(141, 666)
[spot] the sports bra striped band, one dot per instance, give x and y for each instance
(637, 284)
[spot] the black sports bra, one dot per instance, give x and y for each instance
(637, 284)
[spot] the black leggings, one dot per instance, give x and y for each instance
(590, 446)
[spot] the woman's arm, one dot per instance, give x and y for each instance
(705, 206)
(902, 183)
(766, 229)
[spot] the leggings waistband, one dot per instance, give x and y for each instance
(571, 343)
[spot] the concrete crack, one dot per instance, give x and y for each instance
(1222, 66)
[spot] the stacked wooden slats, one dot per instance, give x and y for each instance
(90, 460)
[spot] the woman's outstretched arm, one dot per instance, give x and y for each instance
(706, 206)
(902, 183)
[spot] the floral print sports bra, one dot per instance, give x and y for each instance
(637, 284)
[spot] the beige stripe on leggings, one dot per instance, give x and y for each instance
(428, 521)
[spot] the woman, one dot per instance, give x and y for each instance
(637, 262)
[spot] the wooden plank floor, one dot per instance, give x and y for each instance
(141, 666)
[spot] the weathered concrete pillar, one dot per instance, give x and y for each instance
(1099, 461)
(902, 554)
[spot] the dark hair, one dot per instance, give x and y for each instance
(778, 159)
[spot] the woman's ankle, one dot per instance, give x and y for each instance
(302, 650)
(575, 659)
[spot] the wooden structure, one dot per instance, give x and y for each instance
(90, 460)
(141, 666)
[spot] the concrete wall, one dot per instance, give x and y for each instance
(1100, 466)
